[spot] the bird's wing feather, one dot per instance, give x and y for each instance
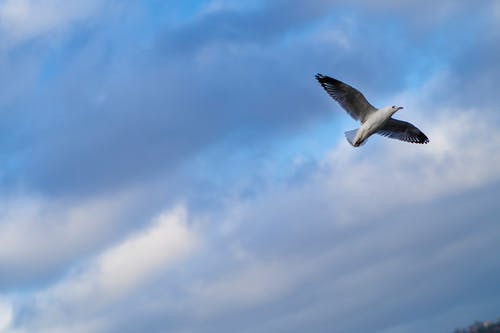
(402, 130)
(348, 97)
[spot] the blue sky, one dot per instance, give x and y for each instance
(172, 166)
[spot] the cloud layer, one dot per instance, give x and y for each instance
(174, 167)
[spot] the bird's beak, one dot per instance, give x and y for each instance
(399, 108)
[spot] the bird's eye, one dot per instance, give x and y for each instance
(393, 107)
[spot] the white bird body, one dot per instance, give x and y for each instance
(372, 124)
(372, 120)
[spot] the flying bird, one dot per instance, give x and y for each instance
(372, 120)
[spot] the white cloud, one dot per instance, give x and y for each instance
(25, 19)
(385, 173)
(40, 236)
(362, 187)
(131, 263)
(115, 274)
(381, 193)
(461, 156)
(6, 315)
(356, 185)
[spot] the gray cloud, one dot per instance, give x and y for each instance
(115, 113)
(115, 130)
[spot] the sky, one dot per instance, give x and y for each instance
(173, 166)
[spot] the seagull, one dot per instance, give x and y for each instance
(372, 120)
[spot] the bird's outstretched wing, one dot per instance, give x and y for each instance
(348, 97)
(402, 130)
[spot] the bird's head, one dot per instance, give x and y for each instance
(395, 108)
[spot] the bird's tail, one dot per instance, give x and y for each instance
(350, 135)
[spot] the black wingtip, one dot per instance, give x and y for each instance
(325, 79)
(319, 77)
(422, 138)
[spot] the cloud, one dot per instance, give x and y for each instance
(119, 130)
(107, 126)
(312, 254)
(354, 245)
(249, 286)
(127, 265)
(114, 275)
(137, 116)
(25, 19)
(40, 237)
(6, 315)
(364, 238)
(353, 185)
(219, 23)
